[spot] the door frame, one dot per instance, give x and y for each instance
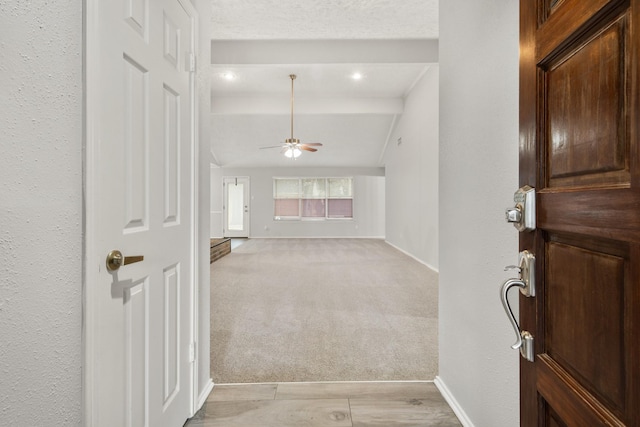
(528, 174)
(92, 261)
(225, 196)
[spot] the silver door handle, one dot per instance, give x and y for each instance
(504, 291)
(526, 281)
(524, 340)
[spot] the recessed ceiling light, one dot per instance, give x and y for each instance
(228, 76)
(356, 76)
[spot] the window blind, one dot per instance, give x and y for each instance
(286, 194)
(314, 193)
(313, 198)
(340, 198)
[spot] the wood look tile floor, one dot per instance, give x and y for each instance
(349, 404)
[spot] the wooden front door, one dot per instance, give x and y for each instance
(579, 134)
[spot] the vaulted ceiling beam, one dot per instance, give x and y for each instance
(252, 105)
(240, 52)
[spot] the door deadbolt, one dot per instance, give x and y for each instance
(115, 260)
(523, 214)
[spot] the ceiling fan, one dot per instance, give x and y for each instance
(292, 147)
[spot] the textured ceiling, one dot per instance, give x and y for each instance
(324, 19)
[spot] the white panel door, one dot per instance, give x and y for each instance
(139, 182)
(236, 207)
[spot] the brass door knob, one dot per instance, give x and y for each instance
(115, 260)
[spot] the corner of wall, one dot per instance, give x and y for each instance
(411, 169)
(453, 403)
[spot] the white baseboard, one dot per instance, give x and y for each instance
(412, 256)
(457, 409)
(204, 395)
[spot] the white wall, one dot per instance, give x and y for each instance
(478, 175)
(368, 209)
(204, 134)
(41, 213)
(412, 173)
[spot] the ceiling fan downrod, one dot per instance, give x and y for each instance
(292, 140)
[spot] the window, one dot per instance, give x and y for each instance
(313, 198)
(340, 199)
(314, 195)
(286, 194)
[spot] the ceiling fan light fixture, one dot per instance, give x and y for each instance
(292, 153)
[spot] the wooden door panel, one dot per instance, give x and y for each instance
(609, 213)
(584, 293)
(553, 420)
(580, 102)
(569, 402)
(587, 137)
(560, 22)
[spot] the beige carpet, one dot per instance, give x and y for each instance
(322, 310)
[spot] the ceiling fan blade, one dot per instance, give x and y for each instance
(312, 144)
(304, 147)
(273, 146)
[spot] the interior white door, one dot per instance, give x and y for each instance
(236, 207)
(140, 120)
